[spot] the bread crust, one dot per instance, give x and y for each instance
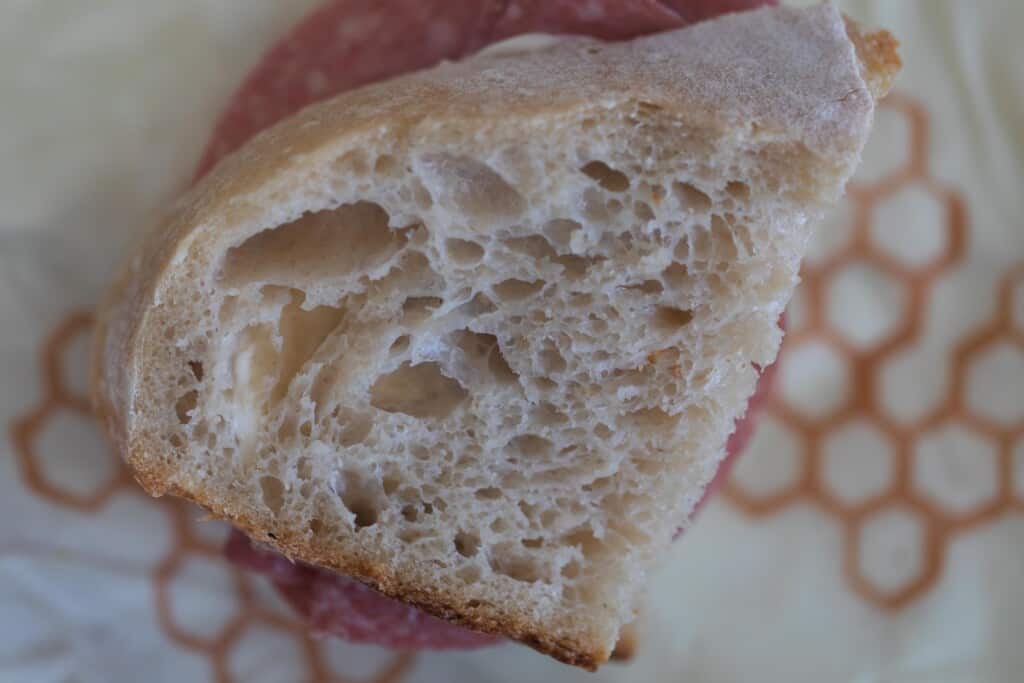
(878, 53)
(119, 359)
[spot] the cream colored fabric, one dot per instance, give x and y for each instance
(905, 364)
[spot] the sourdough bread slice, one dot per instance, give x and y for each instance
(476, 336)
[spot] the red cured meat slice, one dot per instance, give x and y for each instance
(339, 606)
(348, 43)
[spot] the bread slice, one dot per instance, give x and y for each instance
(477, 336)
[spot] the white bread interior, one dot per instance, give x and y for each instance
(477, 336)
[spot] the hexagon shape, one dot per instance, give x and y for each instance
(913, 383)
(211, 533)
(67, 459)
(888, 150)
(834, 235)
(772, 463)
(914, 226)
(202, 598)
(143, 532)
(995, 384)
(865, 304)
(813, 379)
(891, 547)
(857, 462)
(266, 654)
(957, 469)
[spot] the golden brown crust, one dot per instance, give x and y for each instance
(378, 576)
(879, 56)
(224, 195)
(625, 648)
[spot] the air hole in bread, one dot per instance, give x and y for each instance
(416, 309)
(488, 494)
(677, 276)
(584, 539)
(411, 535)
(643, 211)
(571, 570)
(690, 198)
(530, 446)
(471, 187)
(651, 419)
(355, 429)
(185, 406)
(272, 491)
(534, 246)
(551, 361)
(724, 245)
(466, 544)
(410, 513)
(302, 332)
(506, 559)
(421, 195)
(738, 190)
(533, 542)
(318, 246)
(479, 305)
(463, 252)
(606, 176)
(483, 353)
(353, 161)
(576, 267)
(559, 231)
(547, 415)
(421, 391)
(516, 290)
(548, 518)
(742, 234)
(385, 165)
(512, 480)
(362, 495)
(197, 370)
(400, 345)
(529, 511)
(647, 287)
(544, 384)
(668, 319)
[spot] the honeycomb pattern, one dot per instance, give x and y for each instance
(906, 446)
(64, 412)
(241, 623)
